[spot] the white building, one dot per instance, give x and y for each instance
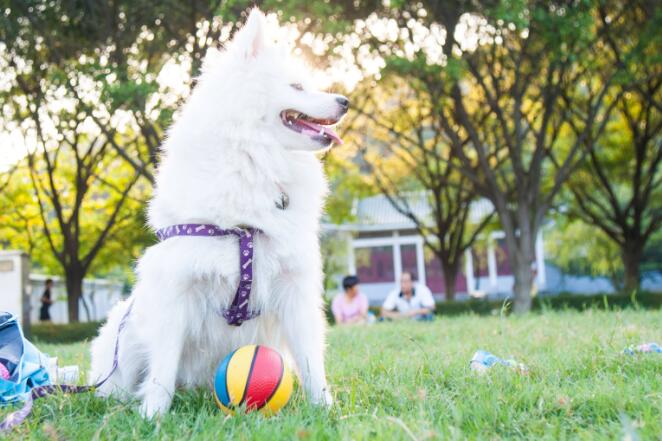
(382, 243)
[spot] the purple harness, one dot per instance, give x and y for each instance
(238, 311)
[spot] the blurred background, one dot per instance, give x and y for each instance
(496, 149)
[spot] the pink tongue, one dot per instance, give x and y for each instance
(312, 129)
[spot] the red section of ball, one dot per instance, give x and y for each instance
(265, 377)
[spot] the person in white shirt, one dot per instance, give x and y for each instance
(412, 300)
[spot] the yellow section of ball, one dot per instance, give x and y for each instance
(238, 371)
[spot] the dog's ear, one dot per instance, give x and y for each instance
(250, 39)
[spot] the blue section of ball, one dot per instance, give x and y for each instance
(220, 383)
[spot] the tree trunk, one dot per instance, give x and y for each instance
(74, 285)
(521, 256)
(450, 276)
(522, 288)
(631, 255)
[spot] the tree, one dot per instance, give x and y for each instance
(618, 187)
(122, 48)
(498, 72)
(505, 71)
(126, 46)
(66, 209)
(409, 157)
(79, 185)
(85, 87)
(63, 181)
(60, 73)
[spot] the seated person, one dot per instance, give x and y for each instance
(350, 306)
(412, 300)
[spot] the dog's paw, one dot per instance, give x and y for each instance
(323, 398)
(155, 404)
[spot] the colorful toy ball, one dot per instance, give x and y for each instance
(4, 372)
(255, 377)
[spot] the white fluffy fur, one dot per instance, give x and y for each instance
(225, 162)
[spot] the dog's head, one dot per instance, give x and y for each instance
(269, 88)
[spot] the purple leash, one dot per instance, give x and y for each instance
(238, 311)
(15, 418)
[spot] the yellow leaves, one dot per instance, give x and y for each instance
(22, 224)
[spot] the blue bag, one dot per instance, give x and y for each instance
(27, 366)
(26, 369)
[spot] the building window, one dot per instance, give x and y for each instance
(375, 264)
(408, 258)
(503, 265)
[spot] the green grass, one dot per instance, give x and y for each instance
(412, 381)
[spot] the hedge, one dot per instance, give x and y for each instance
(580, 302)
(74, 332)
(644, 300)
(69, 333)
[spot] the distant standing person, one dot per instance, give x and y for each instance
(350, 306)
(46, 302)
(411, 300)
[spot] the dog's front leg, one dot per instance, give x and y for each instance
(165, 349)
(305, 327)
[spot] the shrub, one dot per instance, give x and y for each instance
(69, 333)
(644, 300)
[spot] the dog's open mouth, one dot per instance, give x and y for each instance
(317, 129)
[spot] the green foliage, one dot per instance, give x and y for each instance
(419, 67)
(23, 226)
(334, 254)
(130, 94)
(578, 248)
(69, 333)
(346, 184)
(516, 12)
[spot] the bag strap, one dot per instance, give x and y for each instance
(18, 416)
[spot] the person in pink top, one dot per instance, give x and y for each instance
(350, 306)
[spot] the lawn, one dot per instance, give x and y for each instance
(412, 381)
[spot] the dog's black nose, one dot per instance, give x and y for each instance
(344, 102)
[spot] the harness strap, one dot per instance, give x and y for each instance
(238, 311)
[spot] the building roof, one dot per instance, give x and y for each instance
(376, 213)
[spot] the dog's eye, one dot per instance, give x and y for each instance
(296, 86)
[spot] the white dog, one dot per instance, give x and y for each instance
(242, 153)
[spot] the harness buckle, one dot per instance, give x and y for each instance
(235, 316)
